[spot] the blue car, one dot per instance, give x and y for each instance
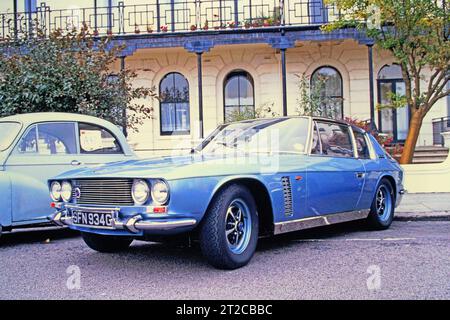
(38, 146)
(246, 180)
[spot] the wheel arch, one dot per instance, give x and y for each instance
(261, 196)
(391, 180)
(5, 200)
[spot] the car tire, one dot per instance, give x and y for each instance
(106, 244)
(383, 205)
(229, 230)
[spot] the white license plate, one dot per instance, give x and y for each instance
(93, 219)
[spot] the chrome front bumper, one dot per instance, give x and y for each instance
(135, 224)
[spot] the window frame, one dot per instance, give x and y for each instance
(121, 152)
(238, 73)
(392, 82)
(350, 132)
(341, 85)
(16, 152)
(368, 144)
(174, 132)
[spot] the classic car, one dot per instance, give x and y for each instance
(247, 179)
(37, 146)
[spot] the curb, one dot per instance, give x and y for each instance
(410, 216)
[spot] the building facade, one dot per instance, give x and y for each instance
(212, 61)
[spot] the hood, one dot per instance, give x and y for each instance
(182, 167)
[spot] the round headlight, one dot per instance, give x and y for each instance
(55, 191)
(160, 191)
(140, 192)
(66, 191)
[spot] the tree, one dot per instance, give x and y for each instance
(69, 72)
(416, 32)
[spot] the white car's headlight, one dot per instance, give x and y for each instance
(140, 192)
(55, 191)
(160, 192)
(66, 191)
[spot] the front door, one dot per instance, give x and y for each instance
(335, 177)
(394, 122)
(44, 151)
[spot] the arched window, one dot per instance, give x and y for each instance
(326, 86)
(174, 108)
(394, 122)
(239, 96)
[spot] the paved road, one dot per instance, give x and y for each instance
(412, 260)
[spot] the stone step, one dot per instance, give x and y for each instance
(430, 154)
(427, 160)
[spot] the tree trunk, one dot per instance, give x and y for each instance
(413, 135)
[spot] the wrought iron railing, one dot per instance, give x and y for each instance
(440, 125)
(161, 16)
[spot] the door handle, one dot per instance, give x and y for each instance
(360, 175)
(75, 163)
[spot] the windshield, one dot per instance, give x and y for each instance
(8, 131)
(285, 135)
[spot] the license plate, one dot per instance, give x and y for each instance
(93, 219)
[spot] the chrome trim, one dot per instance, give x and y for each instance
(313, 222)
(131, 223)
(164, 225)
(92, 209)
(135, 224)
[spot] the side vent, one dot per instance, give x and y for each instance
(287, 194)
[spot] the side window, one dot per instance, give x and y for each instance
(97, 140)
(28, 143)
(56, 139)
(335, 140)
(316, 146)
(361, 145)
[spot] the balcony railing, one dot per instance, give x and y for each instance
(161, 16)
(440, 125)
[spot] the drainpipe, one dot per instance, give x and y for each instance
(200, 93)
(124, 110)
(371, 86)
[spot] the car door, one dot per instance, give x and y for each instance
(98, 145)
(335, 177)
(371, 163)
(44, 151)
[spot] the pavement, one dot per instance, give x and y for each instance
(424, 206)
(411, 260)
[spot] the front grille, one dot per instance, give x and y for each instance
(287, 194)
(116, 192)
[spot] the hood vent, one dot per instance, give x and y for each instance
(287, 195)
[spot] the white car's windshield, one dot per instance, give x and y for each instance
(281, 135)
(8, 131)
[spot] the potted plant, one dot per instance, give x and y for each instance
(109, 32)
(232, 25)
(193, 27)
(136, 29)
(206, 25)
(164, 28)
(149, 29)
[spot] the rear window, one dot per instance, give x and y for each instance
(361, 145)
